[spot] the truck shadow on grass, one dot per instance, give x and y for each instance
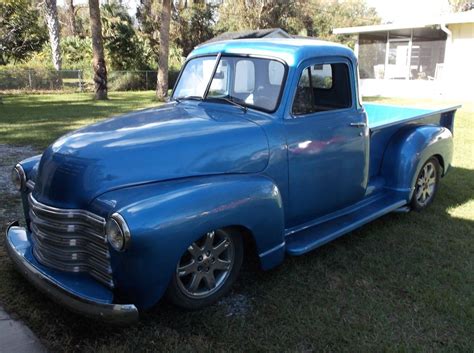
(403, 279)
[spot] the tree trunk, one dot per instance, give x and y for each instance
(100, 70)
(51, 15)
(164, 36)
(71, 17)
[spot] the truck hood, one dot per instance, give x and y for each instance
(170, 142)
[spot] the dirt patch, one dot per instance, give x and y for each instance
(10, 207)
(9, 156)
(236, 305)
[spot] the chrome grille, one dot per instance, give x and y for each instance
(70, 240)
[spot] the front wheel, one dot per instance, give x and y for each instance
(426, 184)
(207, 269)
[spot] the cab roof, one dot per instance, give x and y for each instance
(290, 50)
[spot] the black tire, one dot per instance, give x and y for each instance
(197, 257)
(425, 192)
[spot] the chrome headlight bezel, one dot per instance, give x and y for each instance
(117, 232)
(18, 177)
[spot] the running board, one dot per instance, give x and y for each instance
(308, 239)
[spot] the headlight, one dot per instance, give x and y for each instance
(118, 234)
(18, 177)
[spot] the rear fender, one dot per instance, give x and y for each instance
(165, 218)
(409, 149)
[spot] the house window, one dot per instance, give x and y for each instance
(322, 87)
(415, 54)
(372, 48)
(427, 54)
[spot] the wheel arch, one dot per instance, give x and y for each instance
(441, 164)
(409, 150)
(165, 218)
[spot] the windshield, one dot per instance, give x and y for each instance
(250, 82)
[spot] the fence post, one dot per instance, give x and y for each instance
(29, 79)
(146, 80)
(79, 76)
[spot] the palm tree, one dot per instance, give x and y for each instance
(51, 15)
(100, 70)
(164, 36)
(71, 17)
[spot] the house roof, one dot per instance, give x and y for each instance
(290, 50)
(255, 33)
(460, 17)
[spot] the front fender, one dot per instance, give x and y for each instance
(30, 166)
(165, 218)
(409, 149)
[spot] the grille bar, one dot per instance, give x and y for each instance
(70, 240)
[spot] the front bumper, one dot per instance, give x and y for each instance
(80, 295)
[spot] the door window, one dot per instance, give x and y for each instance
(322, 87)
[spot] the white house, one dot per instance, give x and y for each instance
(427, 58)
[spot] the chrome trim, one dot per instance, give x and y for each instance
(30, 185)
(67, 213)
(127, 237)
(21, 173)
(70, 240)
(113, 313)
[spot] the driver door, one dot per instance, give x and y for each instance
(327, 140)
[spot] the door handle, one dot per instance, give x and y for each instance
(358, 124)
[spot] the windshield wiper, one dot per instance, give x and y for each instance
(230, 101)
(182, 98)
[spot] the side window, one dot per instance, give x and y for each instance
(244, 77)
(323, 87)
(303, 103)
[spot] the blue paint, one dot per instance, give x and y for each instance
(382, 115)
(181, 170)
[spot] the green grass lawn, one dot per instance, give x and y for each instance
(402, 283)
(39, 119)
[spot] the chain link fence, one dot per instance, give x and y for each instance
(77, 80)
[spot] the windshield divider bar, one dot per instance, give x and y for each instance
(208, 87)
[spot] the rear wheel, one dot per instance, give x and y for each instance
(207, 269)
(426, 185)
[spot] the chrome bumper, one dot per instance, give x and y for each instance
(114, 313)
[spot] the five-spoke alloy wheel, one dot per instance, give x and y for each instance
(207, 269)
(426, 185)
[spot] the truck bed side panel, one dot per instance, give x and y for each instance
(386, 120)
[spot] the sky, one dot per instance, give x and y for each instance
(389, 10)
(406, 10)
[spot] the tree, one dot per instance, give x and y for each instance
(100, 69)
(305, 17)
(51, 15)
(164, 38)
(71, 17)
(329, 14)
(21, 34)
(192, 25)
(461, 5)
(121, 41)
(148, 18)
(239, 15)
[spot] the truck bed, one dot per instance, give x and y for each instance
(384, 115)
(385, 120)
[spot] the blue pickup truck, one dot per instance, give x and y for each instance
(262, 140)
